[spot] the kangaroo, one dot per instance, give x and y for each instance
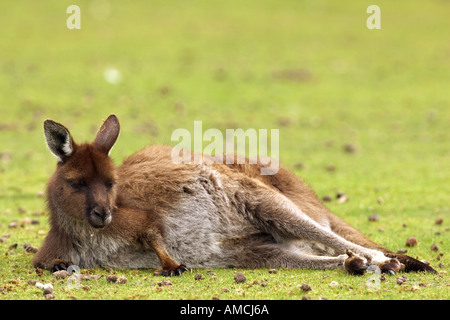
(153, 213)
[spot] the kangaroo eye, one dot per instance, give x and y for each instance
(77, 185)
(109, 184)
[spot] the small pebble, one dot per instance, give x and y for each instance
(341, 198)
(121, 280)
(164, 282)
(29, 248)
(4, 237)
(273, 271)
(39, 285)
(423, 284)
(48, 290)
(48, 285)
(13, 224)
(349, 148)
(25, 221)
(198, 276)
(299, 166)
(411, 242)
(239, 278)
(327, 199)
(60, 274)
(306, 287)
(402, 280)
(111, 278)
(333, 284)
(49, 296)
(434, 247)
(402, 251)
(439, 221)
(374, 217)
(264, 284)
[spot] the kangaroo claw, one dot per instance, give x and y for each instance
(59, 265)
(391, 266)
(172, 272)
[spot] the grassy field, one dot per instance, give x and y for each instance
(362, 112)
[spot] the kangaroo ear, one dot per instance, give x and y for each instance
(58, 139)
(107, 134)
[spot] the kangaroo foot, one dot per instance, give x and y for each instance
(412, 264)
(355, 264)
(171, 272)
(59, 265)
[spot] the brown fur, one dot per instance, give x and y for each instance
(208, 214)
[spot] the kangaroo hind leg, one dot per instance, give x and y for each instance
(275, 255)
(275, 214)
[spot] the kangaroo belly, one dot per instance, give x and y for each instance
(199, 233)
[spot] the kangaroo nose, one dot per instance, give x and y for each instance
(99, 212)
(100, 217)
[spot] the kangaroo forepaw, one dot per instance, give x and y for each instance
(177, 271)
(354, 264)
(59, 265)
(392, 266)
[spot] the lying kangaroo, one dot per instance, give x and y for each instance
(152, 212)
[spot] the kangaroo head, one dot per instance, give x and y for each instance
(83, 186)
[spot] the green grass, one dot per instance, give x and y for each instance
(383, 91)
